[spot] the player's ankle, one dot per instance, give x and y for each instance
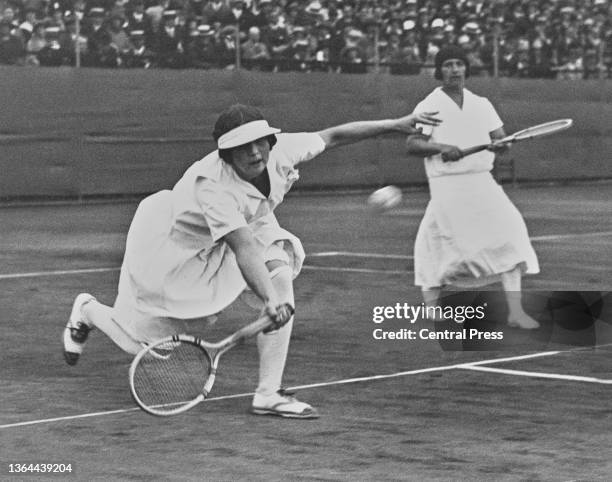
(85, 312)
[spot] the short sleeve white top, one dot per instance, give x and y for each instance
(211, 200)
(463, 127)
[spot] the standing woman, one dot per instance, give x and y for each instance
(471, 235)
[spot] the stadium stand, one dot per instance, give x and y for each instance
(567, 39)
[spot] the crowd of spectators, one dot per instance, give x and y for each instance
(520, 38)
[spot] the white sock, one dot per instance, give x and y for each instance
(100, 316)
(511, 282)
(273, 347)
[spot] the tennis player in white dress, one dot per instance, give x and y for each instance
(472, 234)
(193, 250)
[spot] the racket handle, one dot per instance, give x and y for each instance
(263, 323)
(474, 149)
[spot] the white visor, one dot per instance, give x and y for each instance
(249, 132)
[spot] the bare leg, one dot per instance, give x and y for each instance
(511, 281)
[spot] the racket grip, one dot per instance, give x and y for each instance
(474, 149)
(279, 324)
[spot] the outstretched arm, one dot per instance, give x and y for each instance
(356, 131)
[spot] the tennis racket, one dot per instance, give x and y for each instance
(535, 131)
(176, 373)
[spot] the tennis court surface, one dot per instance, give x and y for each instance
(390, 409)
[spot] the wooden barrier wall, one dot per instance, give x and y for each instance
(82, 132)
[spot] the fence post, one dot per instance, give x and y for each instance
(496, 51)
(237, 39)
(77, 43)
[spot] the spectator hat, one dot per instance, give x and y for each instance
(314, 7)
(471, 28)
(27, 27)
(97, 12)
(450, 52)
(239, 125)
(437, 23)
(228, 31)
(409, 24)
(205, 30)
(52, 33)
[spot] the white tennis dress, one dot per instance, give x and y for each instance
(471, 231)
(177, 267)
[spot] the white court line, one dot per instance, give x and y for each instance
(108, 412)
(322, 254)
(298, 387)
(522, 373)
(38, 274)
(356, 270)
(513, 358)
(553, 237)
(353, 254)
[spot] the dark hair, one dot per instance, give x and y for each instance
(235, 116)
(450, 52)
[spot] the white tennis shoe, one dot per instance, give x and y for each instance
(77, 330)
(282, 404)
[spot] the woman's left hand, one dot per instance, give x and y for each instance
(407, 123)
(499, 147)
(427, 118)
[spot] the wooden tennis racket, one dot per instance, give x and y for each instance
(176, 373)
(539, 130)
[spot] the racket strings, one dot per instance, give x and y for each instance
(171, 376)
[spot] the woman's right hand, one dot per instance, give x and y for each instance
(279, 313)
(451, 153)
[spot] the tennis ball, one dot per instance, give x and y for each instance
(385, 198)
